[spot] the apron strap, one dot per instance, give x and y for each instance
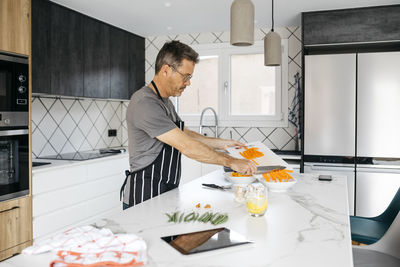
(158, 93)
(121, 192)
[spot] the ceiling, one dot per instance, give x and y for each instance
(167, 17)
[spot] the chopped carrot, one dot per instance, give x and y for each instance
(207, 206)
(278, 176)
(198, 205)
(251, 153)
(235, 174)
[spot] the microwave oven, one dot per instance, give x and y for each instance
(14, 83)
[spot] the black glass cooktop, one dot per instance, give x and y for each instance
(85, 155)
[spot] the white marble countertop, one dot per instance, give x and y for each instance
(306, 226)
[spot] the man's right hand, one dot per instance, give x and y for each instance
(243, 166)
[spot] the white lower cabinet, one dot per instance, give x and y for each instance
(71, 194)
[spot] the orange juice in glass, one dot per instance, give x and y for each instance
(257, 200)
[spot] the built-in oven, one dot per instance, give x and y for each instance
(14, 163)
(14, 119)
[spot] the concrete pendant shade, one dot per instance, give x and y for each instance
(272, 49)
(242, 23)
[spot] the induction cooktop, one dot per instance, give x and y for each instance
(85, 155)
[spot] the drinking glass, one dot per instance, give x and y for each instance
(257, 200)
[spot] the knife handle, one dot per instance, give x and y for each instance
(227, 169)
(212, 186)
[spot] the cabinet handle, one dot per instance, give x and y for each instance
(13, 208)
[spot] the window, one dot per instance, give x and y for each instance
(235, 82)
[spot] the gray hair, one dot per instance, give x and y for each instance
(173, 52)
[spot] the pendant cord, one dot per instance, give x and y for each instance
(272, 15)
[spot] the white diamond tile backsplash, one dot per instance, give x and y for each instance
(61, 125)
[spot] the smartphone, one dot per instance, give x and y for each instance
(325, 177)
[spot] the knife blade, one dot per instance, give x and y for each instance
(261, 169)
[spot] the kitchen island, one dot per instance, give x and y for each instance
(306, 226)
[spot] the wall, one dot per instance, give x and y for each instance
(63, 125)
(283, 138)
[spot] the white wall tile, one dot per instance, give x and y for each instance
(68, 125)
(38, 110)
(39, 141)
(93, 111)
(76, 138)
(58, 140)
(57, 111)
(47, 126)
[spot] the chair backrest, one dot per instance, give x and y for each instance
(390, 241)
(391, 211)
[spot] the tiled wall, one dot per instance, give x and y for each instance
(62, 125)
(283, 138)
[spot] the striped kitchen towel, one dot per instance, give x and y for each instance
(90, 246)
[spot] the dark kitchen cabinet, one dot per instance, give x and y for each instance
(96, 47)
(75, 55)
(136, 63)
(119, 64)
(66, 52)
(355, 25)
(41, 64)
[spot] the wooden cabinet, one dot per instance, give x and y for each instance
(66, 52)
(119, 64)
(96, 47)
(41, 64)
(14, 26)
(136, 63)
(15, 226)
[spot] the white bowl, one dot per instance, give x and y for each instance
(276, 186)
(239, 180)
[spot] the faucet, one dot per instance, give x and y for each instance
(215, 120)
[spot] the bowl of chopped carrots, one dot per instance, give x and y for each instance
(236, 178)
(277, 180)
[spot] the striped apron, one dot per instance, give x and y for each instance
(160, 176)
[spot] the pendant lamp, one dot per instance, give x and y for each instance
(242, 23)
(272, 46)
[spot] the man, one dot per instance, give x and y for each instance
(157, 135)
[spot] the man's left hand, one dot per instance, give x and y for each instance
(224, 144)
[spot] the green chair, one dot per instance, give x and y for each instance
(370, 230)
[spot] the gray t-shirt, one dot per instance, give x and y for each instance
(147, 117)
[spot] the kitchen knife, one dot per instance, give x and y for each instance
(261, 169)
(216, 186)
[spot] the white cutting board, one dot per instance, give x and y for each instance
(269, 158)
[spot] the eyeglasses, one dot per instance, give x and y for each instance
(186, 77)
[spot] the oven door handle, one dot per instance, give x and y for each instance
(14, 132)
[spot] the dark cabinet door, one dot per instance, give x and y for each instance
(136, 63)
(355, 25)
(96, 47)
(66, 52)
(41, 64)
(119, 64)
